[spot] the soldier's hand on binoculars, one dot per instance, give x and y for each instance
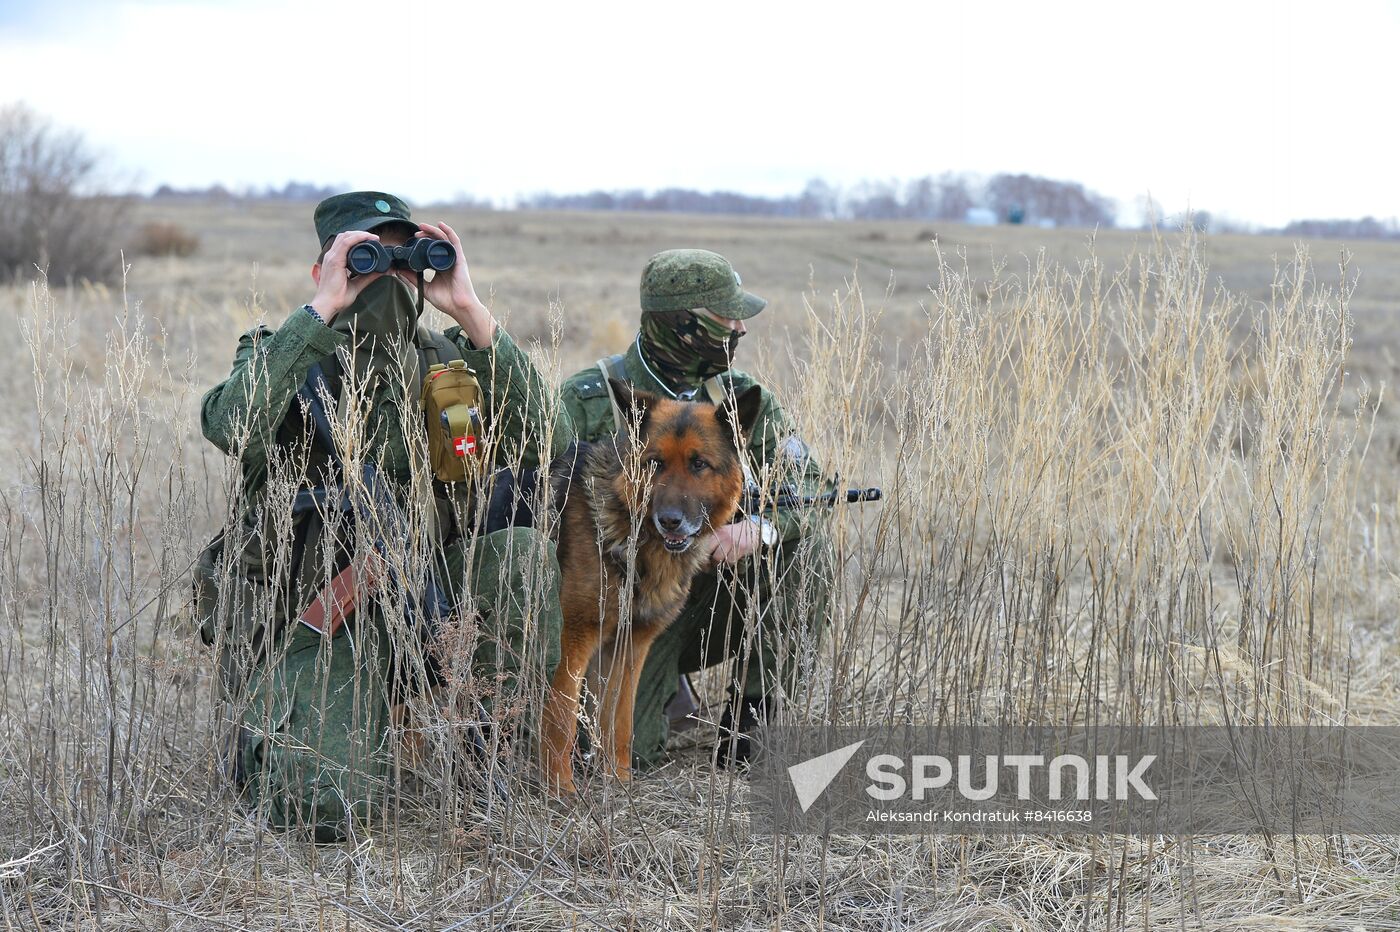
(335, 289)
(452, 292)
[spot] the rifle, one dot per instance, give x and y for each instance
(756, 500)
(375, 509)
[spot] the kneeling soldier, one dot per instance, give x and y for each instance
(344, 515)
(764, 600)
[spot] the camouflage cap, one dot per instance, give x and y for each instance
(683, 279)
(358, 210)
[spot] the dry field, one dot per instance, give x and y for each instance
(1129, 479)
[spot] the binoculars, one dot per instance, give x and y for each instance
(417, 255)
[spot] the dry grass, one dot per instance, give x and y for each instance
(1117, 492)
(159, 238)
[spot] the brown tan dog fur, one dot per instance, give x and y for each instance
(677, 474)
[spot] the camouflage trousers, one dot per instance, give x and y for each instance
(316, 747)
(767, 614)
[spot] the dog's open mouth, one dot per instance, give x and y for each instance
(677, 543)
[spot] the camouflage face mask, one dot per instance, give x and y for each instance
(685, 347)
(382, 318)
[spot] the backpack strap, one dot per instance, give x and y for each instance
(433, 348)
(611, 367)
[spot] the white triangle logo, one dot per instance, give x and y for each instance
(811, 777)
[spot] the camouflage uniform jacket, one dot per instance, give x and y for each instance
(252, 409)
(774, 448)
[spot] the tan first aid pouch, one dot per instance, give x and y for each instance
(452, 403)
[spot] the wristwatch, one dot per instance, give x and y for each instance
(766, 531)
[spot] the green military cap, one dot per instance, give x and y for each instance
(682, 279)
(359, 210)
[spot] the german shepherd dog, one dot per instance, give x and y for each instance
(660, 486)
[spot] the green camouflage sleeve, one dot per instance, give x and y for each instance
(778, 452)
(533, 426)
(241, 414)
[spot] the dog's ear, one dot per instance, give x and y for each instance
(633, 403)
(746, 407)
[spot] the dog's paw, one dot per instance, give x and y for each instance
(556, 779)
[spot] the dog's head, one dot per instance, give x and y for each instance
(689, 457)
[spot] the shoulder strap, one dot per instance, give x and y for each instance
(611, 367)
(433, 348)
(714, 390)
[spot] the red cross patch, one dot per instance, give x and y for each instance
(465, 446)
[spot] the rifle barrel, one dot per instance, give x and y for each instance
(754, 500)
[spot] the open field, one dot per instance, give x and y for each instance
(588, 264)
(1134, 480)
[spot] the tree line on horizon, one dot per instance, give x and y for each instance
(1008, 198)
(951, 196)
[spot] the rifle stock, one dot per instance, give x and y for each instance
(332, 605)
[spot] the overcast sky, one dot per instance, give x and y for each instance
(1264, 112)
